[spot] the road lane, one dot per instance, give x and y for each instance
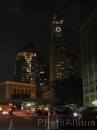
(26, 123)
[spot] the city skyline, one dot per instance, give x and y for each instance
(24, 22)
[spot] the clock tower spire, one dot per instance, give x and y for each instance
(57, 27)
(57, 51)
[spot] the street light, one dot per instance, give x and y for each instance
(94, 103)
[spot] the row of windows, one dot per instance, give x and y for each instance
(90, 100)
(86, 91)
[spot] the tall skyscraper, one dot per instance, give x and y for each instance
(43, 72)
(57, 52)
(88, 33)
(71, 66)
(26, 69)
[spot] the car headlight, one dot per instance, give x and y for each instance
(5, 112)
(75, 114)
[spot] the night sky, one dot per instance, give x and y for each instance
(25, 21)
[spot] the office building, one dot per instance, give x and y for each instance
(88, 34)
(71, 66)
(26, 69)
(43, 72)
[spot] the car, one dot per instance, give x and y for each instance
(90, 113)
(66, 116)
(89, 117)
(14, 112)
(42, 112)
(5, 112)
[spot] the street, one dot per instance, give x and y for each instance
(23, 123)
(26, 122)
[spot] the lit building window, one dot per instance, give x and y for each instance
(35, 55)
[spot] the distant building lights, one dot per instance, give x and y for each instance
(42, 72)
(0, 108)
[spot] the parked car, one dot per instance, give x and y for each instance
(89, 113)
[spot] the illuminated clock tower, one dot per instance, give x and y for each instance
(57, 50)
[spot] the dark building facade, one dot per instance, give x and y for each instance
(69, 91)
(71, 66)
(57, 52)
(43, 72)
(88, 36)
(26, 69)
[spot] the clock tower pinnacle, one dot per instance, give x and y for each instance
(57, 28)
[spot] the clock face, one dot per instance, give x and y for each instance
(58, 29)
